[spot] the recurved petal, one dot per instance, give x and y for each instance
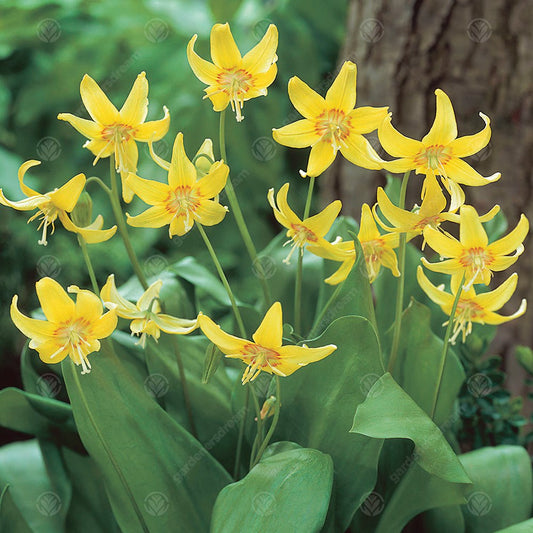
(124, 308)
(158, 160)
(182, 171)
(495, 319)
(270, 331)
(38, 330)
(513, 240)
(342, 93)
(154, 217)
(435, 294)
(442, 244)
(203, 70)
(461, 172)
(321, 156)
(209, 213)
(154, 129)
(471, 232)
(399, 218)
(93, 233)
(395, 143)
(471, 144)
(56, 304)
(457, 195)
(224, 51)
(299, 134)
(213, 182)
(149, 191)
(360, 152)
(496, 299)
(303, 355)
(284, 215)
(173, 325)
(263, 54)
(147, 300)
(66, 197)
(341, 273)
(444, 129)
(504, 262)
(367, 119)
(96, 102)
(399, 166)
(22, 171)
(88, 128)
(309, 103)
(449, 266)
(228, 344)
(434, 202)
(321, 223)
(390, 261)
(27, 204)
(368, 230)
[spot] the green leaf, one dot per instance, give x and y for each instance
(524, 354)
(318, 404)
(522, 527)
(389, 412)
(287, 491)
(11, 518)
(126, 433)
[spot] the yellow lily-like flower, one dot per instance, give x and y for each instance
(266, 352)
(472, 254)
(429, 214)
(472, 307)
(440, 152)
(231, 78)
(72, 329)
(115, 132)
(302, 232)
(51, 205)
(339, 250)
(332, 124)
(146, 317)
(185, 199)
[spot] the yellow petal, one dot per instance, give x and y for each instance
(321, 223)
(309, 103)
(175, 326)
(213, 182)
(51, 352)
(263, 54)
(100, 148)
(270, 331)
(90, 234)
(154, 129)
(367, 119)
(135, 107)
(154, 217)
(442, 244)
(360, 152)
(503, 263)
(203, 70)
(434, 202)
(37, 330)
(457, 195)
(512, 240)
(96, 102)
(299, 134)
(149, 191)
(495, 319)
(342, 93)
(496, 299)
(302, 355)
(56, 304)
(444, 129)
(224, 51)
(461, 172)
(22, 171)
(227, 344)
(158, 160)
(283, 212)
(105, 325)
(399, 218)
(27, 204)
(395, 143)
(450, 266)
(390, 261)
(399, 166)
(146, 301)
(219, 100)
(321, 156)
(180, 225)
(66, 197)
(435, 294)
(88, 305)
(471, 144)
(88, 128)
(124, 308)
(182, 171)
(342, 272)
(209, 213)
(368, 230)
(472, 234)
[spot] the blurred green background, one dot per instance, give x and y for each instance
(47, 47)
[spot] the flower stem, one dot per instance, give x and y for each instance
(223, 279)
(401, 283)
(88, 262)
(325, 309)
(121, 223)
(239, 218)
(299, 269)
(445, 348)
(237, 467)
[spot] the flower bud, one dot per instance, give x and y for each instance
(82, 212)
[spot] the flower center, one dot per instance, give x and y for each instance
(434, 158)
(73, 335)
(476, 261)
(299, 235)
(118, 135)
(373, 251)
(183, 201)
(333, 126)
(258, 358)
(433, 221)
(467, 312)
(47, 214)
(235, 83)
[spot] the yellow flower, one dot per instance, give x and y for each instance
(430, 213)
(231, 78)
(302, 232)
(70, 328)
(146, 317)
(472, 254)
(115, 132)
(266, 352)
(332, 124)
(440, 151)
(51, 205)
(339, 250)
(472, 307)
(185, 199)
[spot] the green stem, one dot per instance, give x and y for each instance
(325, 309)
(184, 386)
(401, 283)
(224, 280)
(199, 156)
(272, 426)
(239, 218)
(103, 186)
(121, 223)
(236, 469)
(445, 348)
(88, 262)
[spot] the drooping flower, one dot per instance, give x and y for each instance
(231, 78)
(70, 329)
(440, 152)
(265, 353)
(185, 199)
(472, 254)
(115, 132)
(302, 232)
(472, 307)
(332, 124)
(146, 316)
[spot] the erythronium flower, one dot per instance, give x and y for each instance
(439, 153)
(339, 250)
(472, 307)
(332, 124)
(185, 199)
(472, 254)
(231, 78)
(265, 353)
(302, 232)
(70, 328)
(146, 317)
(115, 132)
(93, 233)
(51, 205)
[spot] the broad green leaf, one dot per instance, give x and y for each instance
(522, 527)
(287, 491)
(11, 518)
(389, 412)
(126, 433)
(318, 404)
